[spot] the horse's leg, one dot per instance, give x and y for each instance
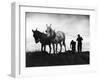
(44, 47)
(56, 47)
(41, 47)
(60, 47)
(50, 48)
(53, 48)
(64, 45)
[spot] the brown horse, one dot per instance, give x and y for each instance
(57, 37)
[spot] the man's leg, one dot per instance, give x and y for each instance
(78, 48)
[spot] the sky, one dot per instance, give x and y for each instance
(70, 24)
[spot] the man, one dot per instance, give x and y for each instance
(79, 45)
(73, 46)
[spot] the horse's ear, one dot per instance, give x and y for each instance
(32, 30)
(50, 25)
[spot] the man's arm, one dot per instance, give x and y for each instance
(77, 39)
(81, 38)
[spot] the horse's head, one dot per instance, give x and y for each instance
(36, 35)
(50, 32)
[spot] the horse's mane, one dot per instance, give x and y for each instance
(42, 34)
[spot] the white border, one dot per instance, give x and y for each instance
(19, 68)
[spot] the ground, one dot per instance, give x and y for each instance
(38, 58)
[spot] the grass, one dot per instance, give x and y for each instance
(38, 58)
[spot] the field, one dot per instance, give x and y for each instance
(36, 59)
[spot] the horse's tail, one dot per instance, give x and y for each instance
(63, 38)
(64, 42)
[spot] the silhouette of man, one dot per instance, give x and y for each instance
(73, 46)
(79, 45)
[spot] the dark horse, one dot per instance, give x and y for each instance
(43, 39)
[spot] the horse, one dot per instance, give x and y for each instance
(57, 37)
(43, 39)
